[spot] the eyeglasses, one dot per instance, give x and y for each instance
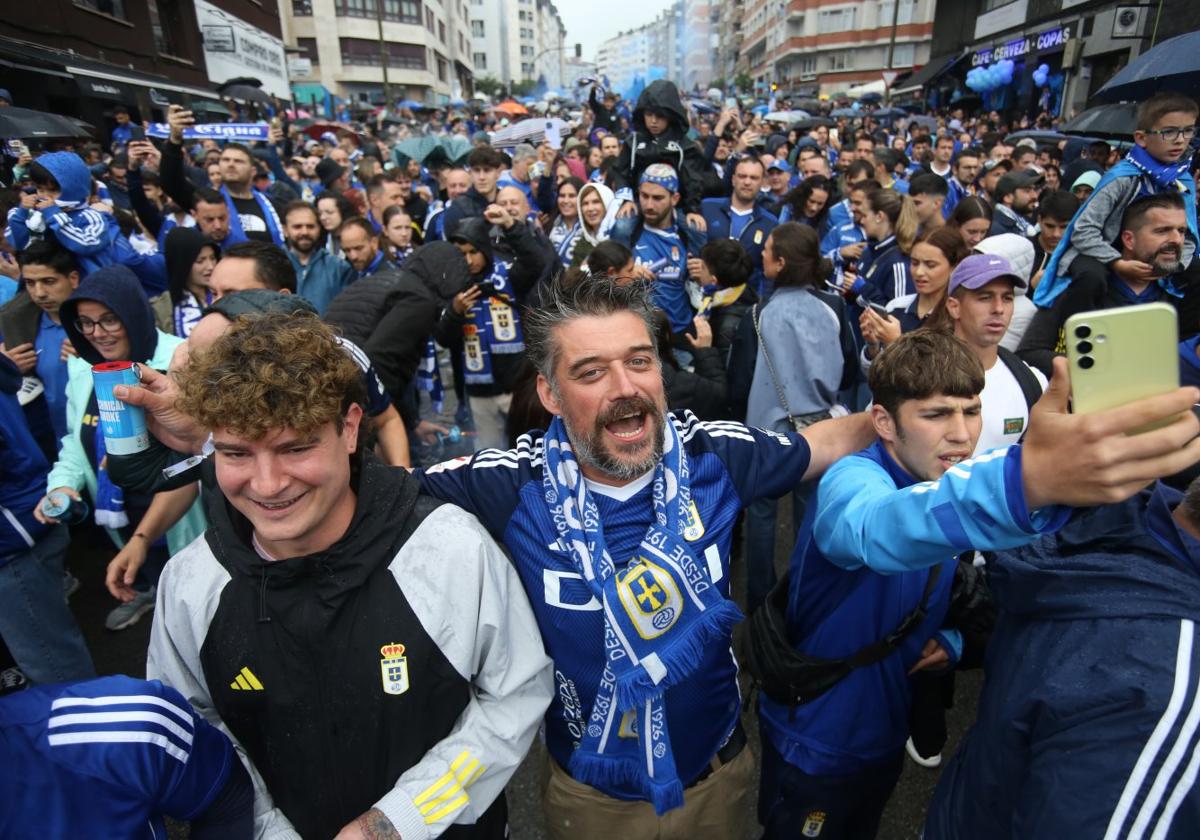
(109, 323)
(1174, 132)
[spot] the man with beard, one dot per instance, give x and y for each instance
(619, 521)
(319, 274)
(637, 509)
(1014, 202)
(1152, 232)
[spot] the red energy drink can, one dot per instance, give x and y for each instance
(124, 425)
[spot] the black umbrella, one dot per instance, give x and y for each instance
(27, 124)
(1173, 65)
(1115, 122)
(1039, 135)
(812, 122)
(888, 113)
(246, 89)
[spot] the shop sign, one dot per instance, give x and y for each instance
(234, 48)
(1051, 39)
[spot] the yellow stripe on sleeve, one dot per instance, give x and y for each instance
(452, 806)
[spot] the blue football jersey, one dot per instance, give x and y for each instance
(730, 466)
(105, 758)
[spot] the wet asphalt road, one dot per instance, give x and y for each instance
(125, 652)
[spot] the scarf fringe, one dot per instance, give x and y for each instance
(681, 658)
(604, 771)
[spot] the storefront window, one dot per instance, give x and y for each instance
(115, 8)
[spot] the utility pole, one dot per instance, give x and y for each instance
(383, 55)
(887, 91)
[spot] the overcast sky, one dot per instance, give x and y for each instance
(591, 22)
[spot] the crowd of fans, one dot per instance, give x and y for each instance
(649, 324)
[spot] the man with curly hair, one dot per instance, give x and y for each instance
(370, 651)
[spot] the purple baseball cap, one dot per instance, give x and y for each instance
(977, 270)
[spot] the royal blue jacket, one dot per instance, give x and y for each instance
(718, 216)
(861, 564)
(23, 477)
(1087, 721)
(884, 273)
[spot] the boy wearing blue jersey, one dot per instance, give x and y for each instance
(875, 560)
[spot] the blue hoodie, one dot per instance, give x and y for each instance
(23, 478)
(92, 236)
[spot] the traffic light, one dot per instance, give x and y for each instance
(579, 50)
(774, 87)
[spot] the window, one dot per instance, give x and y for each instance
(835, 20)
(429, 20)
(527, 52)
(480, 60)
(807, 65)
(308, 48)
(302, 8)
(441, 32)
(462, 44)
(477, 29)
(116, 8)
(397, 11)
(905, 55)
(988, 5)
(887, 9)
(526, 33)
(364, 52)
(526, 70)
(443, 68)
(164, 21)
(841, 61)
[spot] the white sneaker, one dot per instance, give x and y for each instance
(127, 615)
(930, 762)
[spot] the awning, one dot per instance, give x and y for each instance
(309, 93)
(105, 89)
(159, 83)
(931, 71)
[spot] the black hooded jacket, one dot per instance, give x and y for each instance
(672, 147)
(180, 249)
(431, 276)
(118, 288)
(531, 262)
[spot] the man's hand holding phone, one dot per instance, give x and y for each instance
(178, 119)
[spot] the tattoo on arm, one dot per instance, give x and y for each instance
(375, 826)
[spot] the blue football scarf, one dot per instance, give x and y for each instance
(429, 378)
(493, 326)
(110, 499)
(187, 313)
(1137, 164)
(237, 234)
(661, 611)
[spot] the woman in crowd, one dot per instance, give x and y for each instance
(594, 158)
(934, 256)
(807, 203)
(890, 223)
(190, 257)
(804, 353)
(108, 319)
(596, 213)
(400, 236)
(972, 218)
(333, 209)
(562, 220)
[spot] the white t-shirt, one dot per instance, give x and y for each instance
(1005, 413)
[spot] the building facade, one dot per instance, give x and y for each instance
(815, 47)
(86, 57)
(651, 51)
(517, 41)
(1082, 42)
(424, 53)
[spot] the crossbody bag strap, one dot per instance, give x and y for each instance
(754, 316)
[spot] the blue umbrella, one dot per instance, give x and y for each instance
(845, 112)
(413, 105)
(1173, 65)
(868, 98)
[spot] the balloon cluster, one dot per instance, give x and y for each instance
(983, 79)
(1041, 75)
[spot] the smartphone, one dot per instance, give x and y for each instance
(486, 288)
(136, 132)
(1119, 356)
(878, 309)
